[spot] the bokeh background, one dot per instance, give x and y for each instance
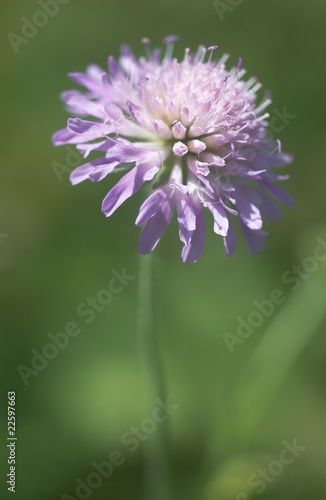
(56, 249)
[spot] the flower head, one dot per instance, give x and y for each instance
(192, 130)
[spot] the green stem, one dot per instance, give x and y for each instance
(156, 470)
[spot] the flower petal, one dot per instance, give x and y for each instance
(150, 207)
(186, 216)
(84, 172)
(92, 130)
(192, 252)
(179, 131)
(127, 186)
(102, 170)
(66, 136)
(155, 228)
(269, 209)
(279, 193)
(221, 220)
(230, 242)
(248, 211)
(196, 146)
(180, 149)
(162, 129)
(92, 80)
(255, 239)
(78, 104)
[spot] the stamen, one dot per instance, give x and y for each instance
(256, 87)
(186, 57)
(146, 42)
(223, 59)
(263, 105)
(169, 41)
(211, 49)
(226, 78)
(240, 70)
(279, 146)
(143, 80)
(200, 54)
(233, 150)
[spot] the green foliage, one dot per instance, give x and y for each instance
(236, 409)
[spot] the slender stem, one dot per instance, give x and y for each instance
(156, 471)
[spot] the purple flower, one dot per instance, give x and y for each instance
(192, 130)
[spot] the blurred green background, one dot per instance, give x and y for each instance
(56, 249)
